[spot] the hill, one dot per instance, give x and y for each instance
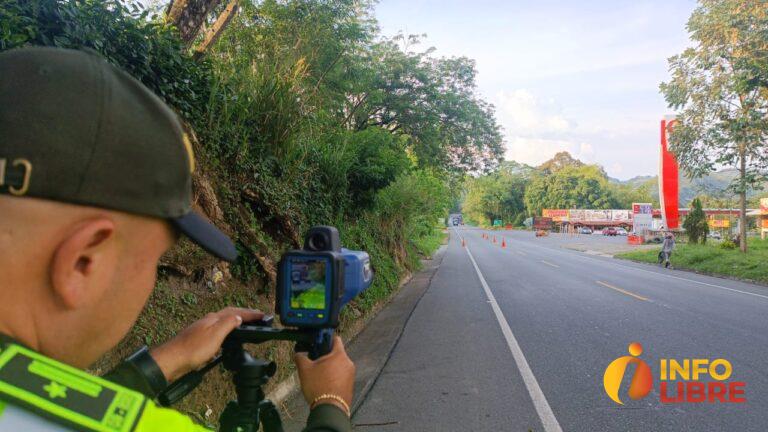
(714, 185)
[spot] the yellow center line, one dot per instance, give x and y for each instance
(550, 264)
(607, 285)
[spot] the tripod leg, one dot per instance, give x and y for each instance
(270, 418)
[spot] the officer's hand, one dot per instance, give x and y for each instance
(333, 373)
(196, 345)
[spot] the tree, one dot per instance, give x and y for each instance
(499, 195)
(627, 194)
(433, 101)
(378, 159)
(695, 223)
(570, 187)
(719, 95)
(559, 161)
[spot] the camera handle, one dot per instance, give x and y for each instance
(251, 408)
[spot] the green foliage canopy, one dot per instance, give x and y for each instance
(570, 187)
(499, 195)
(695, 223)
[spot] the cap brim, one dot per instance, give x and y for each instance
(206, 235)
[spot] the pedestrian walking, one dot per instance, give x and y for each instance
(666, 249)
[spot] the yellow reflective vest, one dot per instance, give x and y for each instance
(41, 394)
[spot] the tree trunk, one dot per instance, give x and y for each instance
(212, 35)
(189, 15)
(743, 203)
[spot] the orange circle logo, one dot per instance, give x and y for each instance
(641, 383)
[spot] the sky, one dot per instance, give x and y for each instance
(581, 76)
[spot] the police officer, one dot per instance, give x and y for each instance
(95, 185)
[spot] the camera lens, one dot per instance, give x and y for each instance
(318, 242)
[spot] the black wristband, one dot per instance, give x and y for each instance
(147, 367)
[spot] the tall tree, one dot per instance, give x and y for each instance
(716, 89)
(695, 223)
(570, 187)
(559, 161)
(498, 195)
(433, 101)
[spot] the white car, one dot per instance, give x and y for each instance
(621, 231)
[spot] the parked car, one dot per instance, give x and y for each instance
(610, 231)
(716, 235)
(585, 230)
(621, 231)
(542, 233)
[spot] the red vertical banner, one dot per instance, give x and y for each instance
(668, 178)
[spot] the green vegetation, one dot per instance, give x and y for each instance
(695, 224)
(718, 88)
(714, 259)
(313, 298)
(302, 114)
(498, 195)
(571, 186)
(514, 191)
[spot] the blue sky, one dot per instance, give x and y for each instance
(580, 76)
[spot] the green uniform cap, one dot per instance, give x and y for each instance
(75, 129)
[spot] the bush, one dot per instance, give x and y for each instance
(695, 223)
(378, 158)
(728, 245)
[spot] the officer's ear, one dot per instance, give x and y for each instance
(84, 262)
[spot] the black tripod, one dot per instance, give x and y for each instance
(251, 409)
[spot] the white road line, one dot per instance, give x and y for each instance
(698, 282)
(550, 264)
(581, 255)
(546, 415)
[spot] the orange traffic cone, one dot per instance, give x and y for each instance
(503, 242)
(463, 243)
(494, 239)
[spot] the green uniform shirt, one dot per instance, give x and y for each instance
(40, 394)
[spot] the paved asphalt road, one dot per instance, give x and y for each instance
(528, 350)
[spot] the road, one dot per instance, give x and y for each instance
(518, 339)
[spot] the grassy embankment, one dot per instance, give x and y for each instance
(714, 260)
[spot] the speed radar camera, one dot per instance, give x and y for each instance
(315, 283)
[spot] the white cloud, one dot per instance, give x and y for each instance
(586, 149)
(523, 113)
(536, 129)
(617, 169)
(535, 151)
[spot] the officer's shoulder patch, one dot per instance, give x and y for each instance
(65, 394)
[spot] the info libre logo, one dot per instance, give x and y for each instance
(680, 381)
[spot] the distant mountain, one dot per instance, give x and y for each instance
(713, 184)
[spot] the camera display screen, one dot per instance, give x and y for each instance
(309, 277)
